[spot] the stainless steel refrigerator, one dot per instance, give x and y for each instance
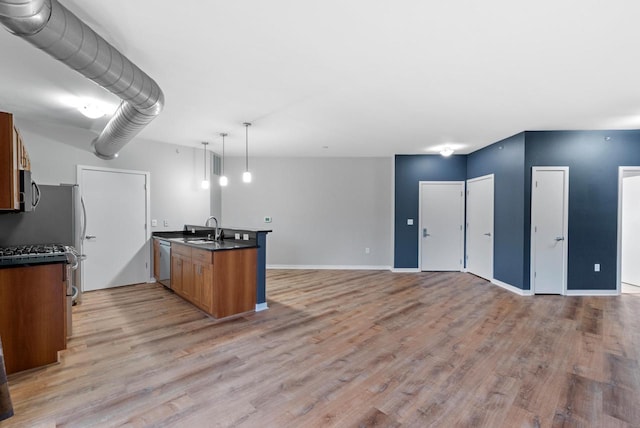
(58, 219)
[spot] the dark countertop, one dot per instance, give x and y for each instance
(203, 243)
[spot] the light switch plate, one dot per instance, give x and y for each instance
(166, 223)
(154, 223)
(409, 222)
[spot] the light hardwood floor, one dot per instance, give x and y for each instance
(344, 348)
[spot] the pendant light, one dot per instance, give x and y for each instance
(223, 178)
(246, 176)
(205, 182)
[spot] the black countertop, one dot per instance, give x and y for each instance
(203, 243)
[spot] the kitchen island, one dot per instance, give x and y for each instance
(223, 277)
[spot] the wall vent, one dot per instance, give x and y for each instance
(216, 164)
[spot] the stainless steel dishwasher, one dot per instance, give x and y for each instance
(165, 263)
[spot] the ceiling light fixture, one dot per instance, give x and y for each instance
(223, 178)
(205, 182)
(92, 110)
(246, 176)
(446, 152)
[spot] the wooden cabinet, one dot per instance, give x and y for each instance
(234, 281)
(222, 283)
(32, 315)
(156, 259)
(13, 158)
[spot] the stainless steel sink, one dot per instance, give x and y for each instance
(201, 241)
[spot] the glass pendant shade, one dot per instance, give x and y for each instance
(246, 177)
(224, 180)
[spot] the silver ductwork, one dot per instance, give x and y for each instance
(51, 27)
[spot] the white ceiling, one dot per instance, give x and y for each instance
(352, 77)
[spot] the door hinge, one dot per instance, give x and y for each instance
(535, 229)
(146, 265)
(536, 184)
(535, 274)
(460, 227)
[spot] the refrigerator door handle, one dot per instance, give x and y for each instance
(36, 194)
(84, 219)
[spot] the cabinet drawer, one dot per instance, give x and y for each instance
(202, 256)
(180, 249)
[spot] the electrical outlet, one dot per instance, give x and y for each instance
(596, 267)
(166, 223)
(367, 250)
(154, 223)
(409, 222)
(245, 236)
(237, 236)
(267, 219)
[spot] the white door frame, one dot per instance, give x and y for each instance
(81, 168)
(493, 226)
(621, 171)
(565, 231)
(463, 234)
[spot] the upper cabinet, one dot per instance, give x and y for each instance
(13, 159)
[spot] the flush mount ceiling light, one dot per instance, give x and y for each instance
(223, 178)
(92, 111)
(246, 176)
(446, 152)
(205, 182)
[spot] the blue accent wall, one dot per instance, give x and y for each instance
(506, 160)
(593, 163)
(409, 171)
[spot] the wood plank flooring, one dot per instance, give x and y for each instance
(342, 349)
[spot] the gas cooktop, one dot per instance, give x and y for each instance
(33, 254)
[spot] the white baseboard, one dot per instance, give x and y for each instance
(405, 270)
(592, 293)
(261, 307)
(329, 267)
(513, 289)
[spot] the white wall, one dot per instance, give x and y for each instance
(176, 171)
(631, 230)
(325, 211)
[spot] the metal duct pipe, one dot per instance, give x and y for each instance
(51, 27)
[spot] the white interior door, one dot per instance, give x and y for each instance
(116, 241)
(480, 194)
(441, 221)
(549, 229)
(631, 227)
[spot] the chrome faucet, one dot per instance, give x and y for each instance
(216, 236)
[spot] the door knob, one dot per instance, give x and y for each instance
(424, 233)
(487, 234)
(559, 238)
(90, 237)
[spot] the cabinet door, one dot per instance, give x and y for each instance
(188, 287)
(156, 259)
(176, 274)
(203, 281)
(9, 174)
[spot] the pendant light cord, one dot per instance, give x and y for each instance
(223, 135)
(204, 158)
(247, 125)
